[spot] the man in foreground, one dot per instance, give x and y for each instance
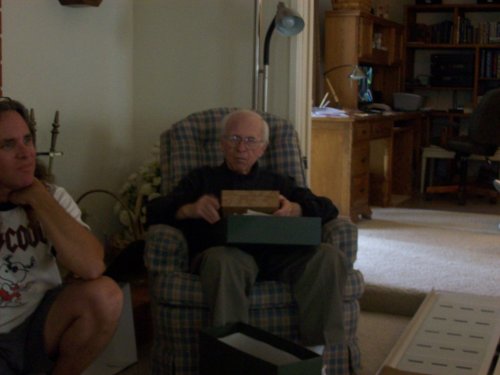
(46, 327)
(227, 273)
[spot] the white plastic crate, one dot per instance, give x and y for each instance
(451, 334)
(121, 351)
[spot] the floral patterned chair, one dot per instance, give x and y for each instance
(178, 307)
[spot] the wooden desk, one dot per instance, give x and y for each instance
(358, 161)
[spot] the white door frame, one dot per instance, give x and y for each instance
(301, 77)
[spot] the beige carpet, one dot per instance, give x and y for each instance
(377, 335)
(405, 253)
(421, 250)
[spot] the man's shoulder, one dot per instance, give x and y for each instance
(276, 175)
(202, 173)
(206, 169)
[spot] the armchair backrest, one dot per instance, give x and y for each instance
(195, 141)
(485, 121)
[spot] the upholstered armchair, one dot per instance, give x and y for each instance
(178, 308)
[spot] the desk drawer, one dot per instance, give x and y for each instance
(360, 190)
(381, 129)
(360, 132)
(360, 159)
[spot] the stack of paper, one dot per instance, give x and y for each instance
(328, 112)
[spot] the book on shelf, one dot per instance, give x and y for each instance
(485, 32)
(489, 66)
(489, 32)
(466, 31)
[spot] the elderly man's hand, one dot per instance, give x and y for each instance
(288, 208)
(206, 207)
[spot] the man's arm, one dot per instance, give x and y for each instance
(77, 248)
(188, 200)
(206, 208)
(287, 208)
(310, 204)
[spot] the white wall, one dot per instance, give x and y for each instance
(188, 56)
(191, 55)
(77, 61)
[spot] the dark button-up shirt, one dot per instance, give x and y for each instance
(212, 180)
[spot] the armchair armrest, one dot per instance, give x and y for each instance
(342, 234)
(166, 250)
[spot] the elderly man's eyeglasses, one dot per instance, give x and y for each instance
(249, 142)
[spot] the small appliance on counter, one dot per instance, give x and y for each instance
(407, 102)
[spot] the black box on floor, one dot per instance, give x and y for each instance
(224, 357)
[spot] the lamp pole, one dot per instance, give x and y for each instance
(267, 46)
(288, 23)
(257, 71)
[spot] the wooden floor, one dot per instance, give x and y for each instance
(140, 296)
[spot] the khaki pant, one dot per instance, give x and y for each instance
(317, 276)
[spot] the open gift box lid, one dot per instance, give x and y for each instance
(246, 350)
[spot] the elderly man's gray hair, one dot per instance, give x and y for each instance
(230, 115)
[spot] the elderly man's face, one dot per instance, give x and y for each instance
(242, 142)
(17, 154)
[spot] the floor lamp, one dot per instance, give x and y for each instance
(288, 23)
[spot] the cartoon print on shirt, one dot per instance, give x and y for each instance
(12, 276)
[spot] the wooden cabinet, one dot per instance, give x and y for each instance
(452, 52)
(340, 156)
(353, 38)
(358, 161)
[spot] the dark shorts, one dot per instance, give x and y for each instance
(22, 349)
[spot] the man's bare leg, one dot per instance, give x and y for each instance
(80, 323)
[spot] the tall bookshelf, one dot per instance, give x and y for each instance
(467, 34)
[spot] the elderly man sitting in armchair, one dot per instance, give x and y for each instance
(227, 273)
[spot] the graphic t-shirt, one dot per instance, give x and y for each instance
(28, 266)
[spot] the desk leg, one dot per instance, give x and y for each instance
(367, 214)
(422, 173)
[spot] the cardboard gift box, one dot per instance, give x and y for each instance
(273, 230)
(245, 350)
(240, 201)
